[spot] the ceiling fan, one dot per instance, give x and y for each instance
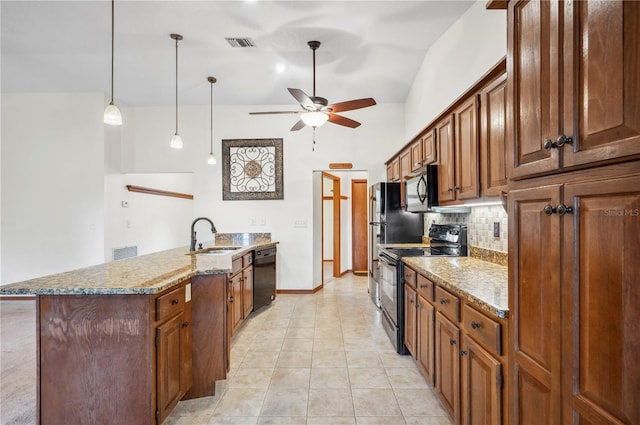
(316, 110)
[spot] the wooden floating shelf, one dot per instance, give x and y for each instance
(150, 191)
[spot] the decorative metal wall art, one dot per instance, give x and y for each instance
(252, 169)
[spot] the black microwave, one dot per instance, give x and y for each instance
(421, 192)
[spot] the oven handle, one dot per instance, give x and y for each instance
(387, 259)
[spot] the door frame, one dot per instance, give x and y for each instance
(336, 221)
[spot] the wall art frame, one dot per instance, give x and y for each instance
(252, 169)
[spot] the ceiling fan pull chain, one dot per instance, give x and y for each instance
(313, 147)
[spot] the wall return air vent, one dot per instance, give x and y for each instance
(240, 42)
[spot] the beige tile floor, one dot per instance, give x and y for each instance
(317, 359)
(306, 359)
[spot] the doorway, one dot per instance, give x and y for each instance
(331, 246)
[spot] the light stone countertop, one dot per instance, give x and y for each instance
(146, 274)
(483, 284)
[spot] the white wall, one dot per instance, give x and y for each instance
(468, 49)
(151, 128)
(52, 183)
(150, 222)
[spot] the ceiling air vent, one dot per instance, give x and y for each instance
(240, 42)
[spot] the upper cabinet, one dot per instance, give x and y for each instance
(493, 105)
(429, 150)
(573, 81)
(393, 170)
(416, 155)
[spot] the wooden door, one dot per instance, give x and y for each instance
(533, 67)
(169, 363)
(448, 365)
(429, 148)
(359, 226)
(425, 339)
(410, 319)
(534, 306)
(493, 106)
(467, 178)
(480, 385)
(602, 64)
(416, 155)
(444, 136)
(235, 287)
(601, 301)
(247, 290)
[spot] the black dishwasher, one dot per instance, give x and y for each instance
(264, 277)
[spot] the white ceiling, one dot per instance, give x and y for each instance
(369, 48)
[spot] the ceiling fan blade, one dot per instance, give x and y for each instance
(274, 112)
(302, 98)
(299, 125)
(340, 120)
(350, 105)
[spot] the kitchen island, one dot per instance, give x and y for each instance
(123, 342)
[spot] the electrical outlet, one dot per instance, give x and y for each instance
(496, 229)
(300, 223)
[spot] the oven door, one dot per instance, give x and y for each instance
(389, 286)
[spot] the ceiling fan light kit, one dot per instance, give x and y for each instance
(112, 115)
(316, 110)
(176, 140)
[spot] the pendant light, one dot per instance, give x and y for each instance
(212, 159)
(176, 140)
(112, 115)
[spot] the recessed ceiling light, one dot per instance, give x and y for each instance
(280, 68)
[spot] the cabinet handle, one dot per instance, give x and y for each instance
(475, 325)
(450, 190)
(560, 142)
(457, 188)
(561, 209)
(175, 301)
(548, 209)
(185, 325)
(443, 301)
(423, 286)
(463, 353)
(452, 342)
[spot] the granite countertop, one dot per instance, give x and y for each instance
(482, 283)
(146, 274)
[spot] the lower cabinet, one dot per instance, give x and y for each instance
(448, 365)
(410, 319)
(481, 385)
(425, 339)
(240, 300)
(247, 286)
(236, 310)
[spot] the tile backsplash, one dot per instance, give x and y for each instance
(479, 225)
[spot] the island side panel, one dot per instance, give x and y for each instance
(94, 359)
(209, 310)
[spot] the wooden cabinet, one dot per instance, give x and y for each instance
(446, 160)
(425, 339)
(405, 170)
(493, 108)
(573, 83)
(481, 385)
(416, 155)
(466, 136)
(393, 170)
(448, 365)
(429, 148)
(240, 289)
(410, 327)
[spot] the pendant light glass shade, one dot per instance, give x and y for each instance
(211, 160)
(112, 115)
(314, 119)
(176, 140)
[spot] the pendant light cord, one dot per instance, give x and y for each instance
(211, 80)
(176, 85)
(112, 44)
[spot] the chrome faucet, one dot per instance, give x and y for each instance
(192, 247)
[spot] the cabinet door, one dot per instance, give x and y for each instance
(493, 105)
(237, 312)
(481, 385)
(247, 290)
(533, 67)
(169, 377)
(534, 306)
(601, 301)
(410, 319)
(444, 135)
(425, 339)
(448, 365)
(390, 172)
(429, 149)
(405, 170)
(416, 155)
(602, 114)
(466, 150)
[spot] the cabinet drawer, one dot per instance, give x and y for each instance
(425, 288)
(247, 259)
(171, 303)
(483, 329)
(236, 265)
(448, 304)
(410, 277)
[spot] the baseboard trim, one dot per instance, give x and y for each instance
(345, 272)
(299, 291)
(17, 297)
(360, 272)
